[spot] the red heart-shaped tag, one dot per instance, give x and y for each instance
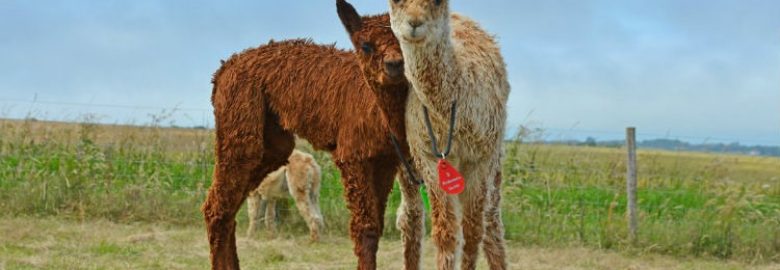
(450, 179)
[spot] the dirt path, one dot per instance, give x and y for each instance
(50, 243)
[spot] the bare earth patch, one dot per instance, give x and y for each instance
(55, 243)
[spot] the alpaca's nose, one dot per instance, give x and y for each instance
(415, 23)
(394, 68)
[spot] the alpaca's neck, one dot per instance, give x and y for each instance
(433, 70)
(392, 101)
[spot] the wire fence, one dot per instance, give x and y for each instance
(550, 195)
(201, 117)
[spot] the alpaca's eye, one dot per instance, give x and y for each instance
(396, 1)
(367, 48)
(438, 2)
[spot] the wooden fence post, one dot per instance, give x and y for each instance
(631, 184)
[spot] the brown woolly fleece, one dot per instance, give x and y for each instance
(264, 96)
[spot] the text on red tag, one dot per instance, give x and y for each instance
(450, 179)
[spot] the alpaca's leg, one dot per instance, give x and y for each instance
(314, 203)
(493, 244)
(446, 214)
(223, 201)
(383, 180)
(411, 221)
(244, 157)
(447, 235)
(253, 206)
(300, 190)
(474, 201)
(364, 224)
(261, 212)
(312, 217)
(315, 221)
(314, 194)
(270, 216)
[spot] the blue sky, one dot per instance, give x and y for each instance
(697, 70)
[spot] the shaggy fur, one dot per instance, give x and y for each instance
(264, 95)
(410, 220)
(411, 216)
(301, 180)
(450, 58)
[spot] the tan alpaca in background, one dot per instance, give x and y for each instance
(450, 58)
(301, 179)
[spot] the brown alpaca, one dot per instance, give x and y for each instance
(301, 180)
(410, 220)
(449, 58)
(263, 96)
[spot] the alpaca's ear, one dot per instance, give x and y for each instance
(349, 16)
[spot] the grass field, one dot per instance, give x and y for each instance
(55, 243)
(559, 198)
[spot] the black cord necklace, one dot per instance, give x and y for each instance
(409, 171)
(434, 145)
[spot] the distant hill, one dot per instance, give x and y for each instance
(678, 145)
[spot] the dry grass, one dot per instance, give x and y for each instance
(56, 243)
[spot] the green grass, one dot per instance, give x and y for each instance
(691, 204)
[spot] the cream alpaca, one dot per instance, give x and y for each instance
(302, 178)
(450, 58)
